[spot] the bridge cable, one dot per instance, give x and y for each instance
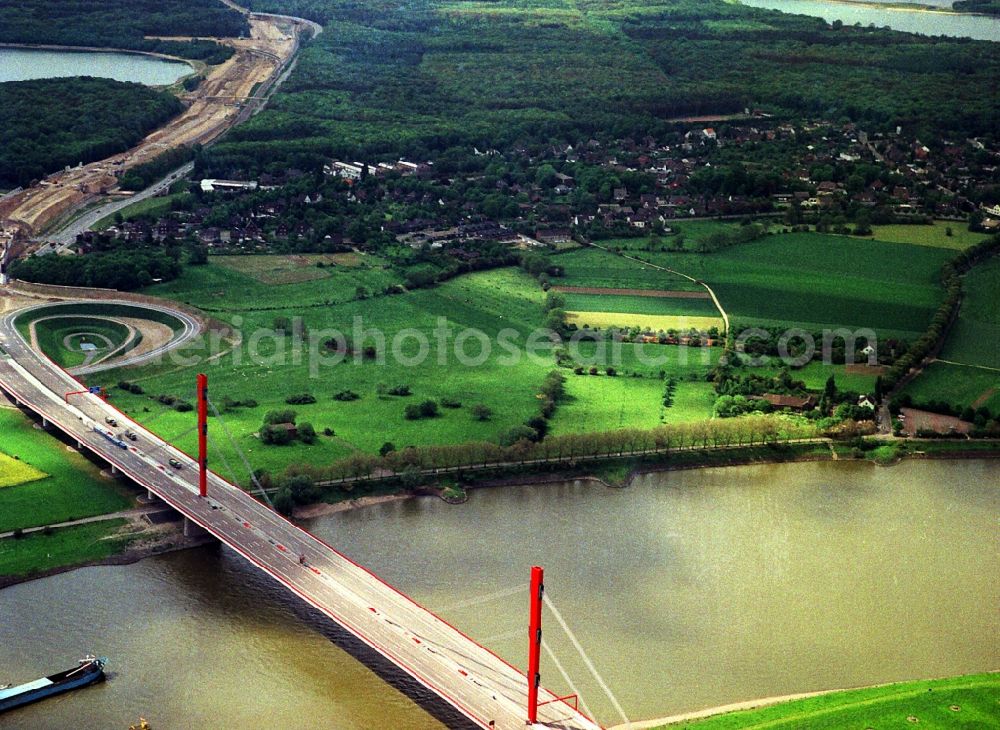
(586, 659)
(239, 452)
(484, 598)
(566, 677)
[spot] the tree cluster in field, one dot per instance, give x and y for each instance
(506, 80)
(280, 429)
(47, 124)
(536, 428)
(124, 24)
(951, 281)
(113, 264)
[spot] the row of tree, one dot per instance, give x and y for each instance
(753, 430)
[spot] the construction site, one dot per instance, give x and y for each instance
(229, 93)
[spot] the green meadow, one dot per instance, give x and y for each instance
(71, 487)
(935, 234)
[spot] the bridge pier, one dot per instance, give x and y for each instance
(193, 529)
(45, 423)
(114, 470)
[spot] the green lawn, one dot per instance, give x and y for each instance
(958, 702)
(679, 361)
(935, 235)
(66, 546)
(73, 489)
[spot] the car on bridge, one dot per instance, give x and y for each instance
(174, 463)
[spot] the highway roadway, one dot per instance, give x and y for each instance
(480, 685)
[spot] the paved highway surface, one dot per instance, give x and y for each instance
(484, 688)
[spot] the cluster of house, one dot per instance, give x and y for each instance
(353, 171)
(946, 177)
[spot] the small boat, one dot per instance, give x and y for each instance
(90, 669)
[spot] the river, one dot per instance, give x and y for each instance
(688, 590)
(959, 25)
(22, 64)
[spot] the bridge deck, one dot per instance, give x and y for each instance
(483, 687)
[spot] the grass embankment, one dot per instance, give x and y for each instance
(62, 339)
(957, 702)
(67, 546)
(71, 487)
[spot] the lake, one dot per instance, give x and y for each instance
(688, 590)
(22, 64)
(980, 27)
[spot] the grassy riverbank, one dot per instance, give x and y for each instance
(68, 546)
(966, 701)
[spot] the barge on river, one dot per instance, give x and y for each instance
(89, 670)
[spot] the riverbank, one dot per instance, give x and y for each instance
(620, 473)
(158, 541)
(794, 710)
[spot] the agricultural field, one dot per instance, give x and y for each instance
(600, 403)
(935, 235)
(70, 486)
(957, 385)
(641, 304)
(814, 280)
(858, 378)
(592, 267)
(940, 704)
(679, 361)
(975, 338)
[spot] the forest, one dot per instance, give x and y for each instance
(417, 80)
(46, 124)
(123, 24)
(113, 264)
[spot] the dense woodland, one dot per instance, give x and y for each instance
(123, 24)
(430, 76)
(49, 123)
(990, 7)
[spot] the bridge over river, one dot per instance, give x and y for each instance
(484, 688)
